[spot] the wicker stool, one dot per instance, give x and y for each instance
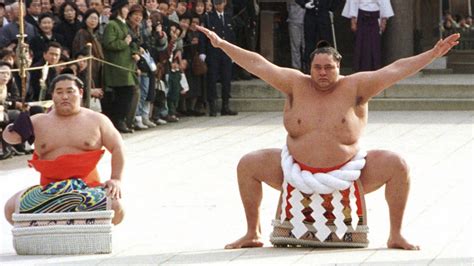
(320, 220)
(63, 233)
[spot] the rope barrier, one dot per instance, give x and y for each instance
(54, 65)
(114, 65)
(76, 61)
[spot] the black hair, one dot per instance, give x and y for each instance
(53, 44)
(185, 15)
(28, 3)
(3, 63)
(67, 70)
(45, 15)
(64, 58)
(86, 15)
(6, 52)
(195, 15)
(82, 52)
(89, 1)
(63, 7)
(66, 76)
(324, 47)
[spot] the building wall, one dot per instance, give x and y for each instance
(459, 7)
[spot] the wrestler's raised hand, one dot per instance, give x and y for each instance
(443, 46)
(113, 189)
(216, 41)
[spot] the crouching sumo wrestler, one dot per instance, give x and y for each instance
(325, 114)
(68, 145)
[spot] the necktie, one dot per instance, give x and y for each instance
(221, 17)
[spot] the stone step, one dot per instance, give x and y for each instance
(429, 91)
(437, 71)
(254, 89)
(434, 89)
(461, 56)
(380, 104)
(421, 104)
(462, 67)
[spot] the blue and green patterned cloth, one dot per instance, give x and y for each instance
(71, 195)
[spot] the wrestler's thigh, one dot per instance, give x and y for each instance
(10, 206)
(380, 167)
(263, 165)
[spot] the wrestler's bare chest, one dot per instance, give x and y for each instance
(55, 137)
(324, 127)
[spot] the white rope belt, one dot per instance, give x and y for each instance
(321, 183)
(315, 184)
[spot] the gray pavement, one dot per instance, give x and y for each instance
(183, 204)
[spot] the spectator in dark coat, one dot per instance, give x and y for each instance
(88, 34)
(219, 64)
(39, 44)
(33, 10)
(50, 56)
(69, 24)
(8, 33)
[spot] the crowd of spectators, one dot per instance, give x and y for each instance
(456, 24)
(159, 70)
(163, 67)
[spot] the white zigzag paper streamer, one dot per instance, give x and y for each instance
(322, 230)
(283, 201)
(353, 206)
(319, 183)
(299, 228)
(341, 227)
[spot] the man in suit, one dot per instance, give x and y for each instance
(51, 56)
(8, 33)
(245, 28)
(317, 24)
(33, 10)
(219, 64)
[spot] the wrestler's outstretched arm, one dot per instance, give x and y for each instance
(282, 79)
(372, 83)
(112, 141)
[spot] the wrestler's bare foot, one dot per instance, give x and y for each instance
(247, 241)
(401, 243)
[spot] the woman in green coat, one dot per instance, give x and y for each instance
(119, 49)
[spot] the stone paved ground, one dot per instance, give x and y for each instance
(183, 204)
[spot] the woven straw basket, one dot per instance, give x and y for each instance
(63, 233)
(282, 235)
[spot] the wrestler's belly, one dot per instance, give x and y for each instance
(58, 151)
(320, 152)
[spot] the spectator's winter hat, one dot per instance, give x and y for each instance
(218, 2)
(118, 4)
(137, 8)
